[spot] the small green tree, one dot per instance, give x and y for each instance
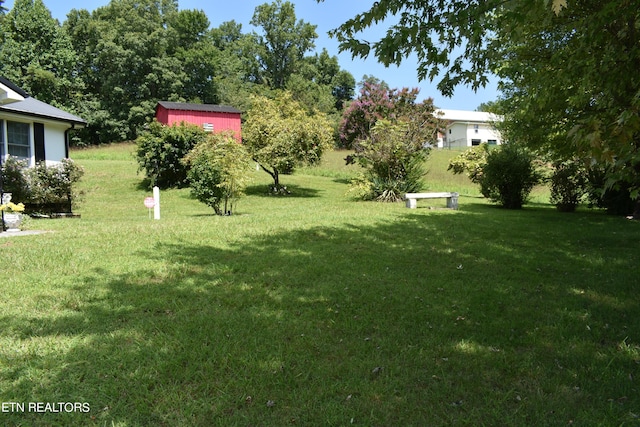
(218, 171)
(280, 136)
(160, 150)
(509, 176)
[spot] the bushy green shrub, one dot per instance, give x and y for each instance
(218, 171)
(14, 179)
(509, 176)
(568, 184)
(160, 150)
(56, 185)
(43, 189)
(471, 161)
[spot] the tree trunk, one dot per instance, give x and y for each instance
(276, 178)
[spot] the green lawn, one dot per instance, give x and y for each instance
(317, 310)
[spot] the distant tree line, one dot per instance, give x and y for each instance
(111, 66)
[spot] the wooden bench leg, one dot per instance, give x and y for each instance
(411, 203)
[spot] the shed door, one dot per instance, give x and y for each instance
(38, 142)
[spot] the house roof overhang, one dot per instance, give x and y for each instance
(31, 107)
(10, 93)
(14, 100)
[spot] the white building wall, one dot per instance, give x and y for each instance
(482, 131)
(54, 138)
(466, 126)
(457, 136)
(55, 144)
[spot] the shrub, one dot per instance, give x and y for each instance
(568, 185)
(160, 151)
(615, 197)
(14, 180)
(393, 161)
(509, 176)
(43, 189)
(471, 161)
(218, 171)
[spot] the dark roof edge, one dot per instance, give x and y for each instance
(47, 117)
(185, 106)
(8, 83)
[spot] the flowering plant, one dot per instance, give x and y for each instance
(12, 207)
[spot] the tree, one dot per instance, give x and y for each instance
(565, 66)
(375, 102)
(390, 133)
(218, 171)
(320, 84)
(191, 42)
(37, 55)
(239, 74)
(127, 64)
(284, 42)
(280, 136)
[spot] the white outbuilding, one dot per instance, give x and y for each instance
(468, 128)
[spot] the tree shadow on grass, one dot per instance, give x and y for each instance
(293, 189)
(431, 319)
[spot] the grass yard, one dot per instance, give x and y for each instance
(316, 310)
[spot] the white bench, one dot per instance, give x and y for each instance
(452, 199)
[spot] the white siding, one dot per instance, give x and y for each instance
(466, 126)
(54, 137)
(54, 142)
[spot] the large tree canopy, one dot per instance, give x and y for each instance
(280, 135)
(37, 55)
(568, 68)
(113, 64)
(284, 41)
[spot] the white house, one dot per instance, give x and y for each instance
(467, 128)
(33, 130)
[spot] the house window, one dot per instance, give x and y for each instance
(449, 131)
(476, 128)
(475, 142)
(18, 140)
(492, 141)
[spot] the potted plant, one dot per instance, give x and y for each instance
(12, 215)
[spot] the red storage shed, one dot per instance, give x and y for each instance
(213, 118)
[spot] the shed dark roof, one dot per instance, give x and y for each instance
(211, 108)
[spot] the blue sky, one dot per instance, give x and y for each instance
(327, 16)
